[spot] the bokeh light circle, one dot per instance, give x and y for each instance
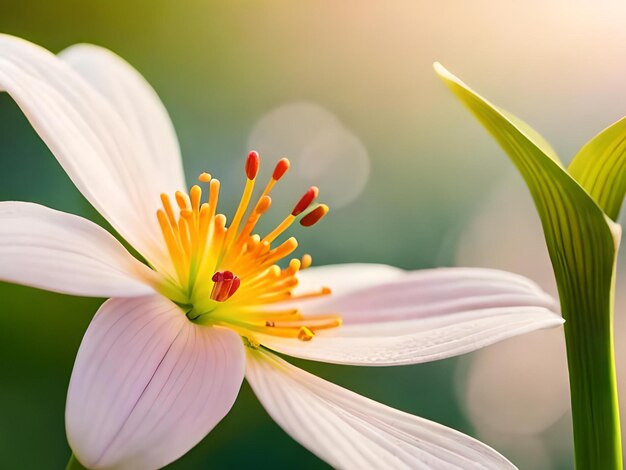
(322, 150)
(519, 386)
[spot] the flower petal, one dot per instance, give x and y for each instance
(350, 431)
(423, 316)
(91, 141)
(344, 278)
(406, 295)
(136, 102)
(52, 250)
(148, 384)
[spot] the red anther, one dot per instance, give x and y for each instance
(306, 200)
(314, 216)
(252, 165)
(228, 276)
(217, 277)
(281, 168)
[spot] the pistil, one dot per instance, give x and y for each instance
(225, 285)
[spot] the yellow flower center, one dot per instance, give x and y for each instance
(230, 276)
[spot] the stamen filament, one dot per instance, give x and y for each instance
(183, 230)
(309, 295)
(243, 206)
(182, 200)
(229, 276)
(284, 225)
(167, 205)
(172, 245)
(283, 250)
(261, 207)
(195, 194)
(304, 202)
(214, 194)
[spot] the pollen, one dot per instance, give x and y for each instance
(229, 274)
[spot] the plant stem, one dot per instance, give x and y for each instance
(593, 385)
(577, 211)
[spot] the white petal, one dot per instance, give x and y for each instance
(424, 316)
(136, 102)
(427, 292)
(52, 250)
(350, 431)
(148, 384)
(91, 141)
(344, 278)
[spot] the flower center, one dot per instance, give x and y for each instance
(230, 276)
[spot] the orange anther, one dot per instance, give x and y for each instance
(314, 216)
(281, 168)
(305, 334)
(305, 201)
(252, 165)
(204, 178)
(264, 204)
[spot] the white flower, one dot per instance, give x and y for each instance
(164, 358)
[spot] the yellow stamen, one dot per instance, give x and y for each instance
(190, 218)
(284, 225)
(243, 205)
(182, 200)
(307, 260)
(185, 236)
(231, 276)
(172, 244)
(214, 194)
(167, 205)
(309, 295)
(278, 253)
(203, 227)
(239, 243)
(321, 322)
(195, 194)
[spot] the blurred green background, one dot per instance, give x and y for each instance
(406, 171)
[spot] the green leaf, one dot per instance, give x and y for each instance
(600, 168)
(582, 243)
